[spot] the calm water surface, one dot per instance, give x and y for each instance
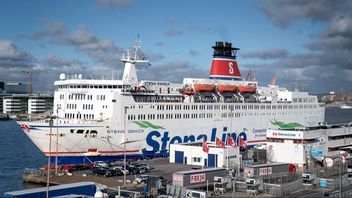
(17, 152)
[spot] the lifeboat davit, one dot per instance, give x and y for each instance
(227, 88)
(247, 88)
(187, 91)
(204, 87)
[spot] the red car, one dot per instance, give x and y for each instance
(69, 168)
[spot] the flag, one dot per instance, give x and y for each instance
(205, 146)
(219, 143)
(243, 143)
(231, 142)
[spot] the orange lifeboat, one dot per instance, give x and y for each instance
(204, 87)
(187, 91)
(227, 88)
(247, 88)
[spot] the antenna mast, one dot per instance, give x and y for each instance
(130, 60)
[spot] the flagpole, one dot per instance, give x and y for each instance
(227, 139)
(227, 154)
(238, 160)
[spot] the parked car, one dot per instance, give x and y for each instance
(122, 170)
(139, 169)
(119, 170)
(142, 179)
(102, 171)
(69, 167)
(101, 164)
(146, 166)
(131, 168)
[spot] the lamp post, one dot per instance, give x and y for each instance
(48, 173)
(57, 138)
(340, 174)
(124, 146)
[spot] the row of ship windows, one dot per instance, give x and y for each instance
(85, 106)
(304, 100)
(227, 107)
(169, 116)
(92, 86)
(206, 115)
(79, 116)
(81, 97)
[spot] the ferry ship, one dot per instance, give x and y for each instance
(105, 119)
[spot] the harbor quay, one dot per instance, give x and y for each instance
(254, 173)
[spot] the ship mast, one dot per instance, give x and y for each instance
(130, 60)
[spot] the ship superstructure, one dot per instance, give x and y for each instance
(93, 115)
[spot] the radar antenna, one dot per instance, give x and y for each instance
(137, 56)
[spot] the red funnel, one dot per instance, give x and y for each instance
(224, 65)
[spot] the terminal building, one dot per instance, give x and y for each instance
(298, 145)
(9, 88)
(193, 154)
(24, 104)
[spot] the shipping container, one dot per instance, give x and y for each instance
(266, 169)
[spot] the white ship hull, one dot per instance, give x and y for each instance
(145, 141)
(93, 115)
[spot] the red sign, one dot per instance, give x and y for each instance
(265, 171)
(197, 178)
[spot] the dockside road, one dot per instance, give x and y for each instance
(161, 166)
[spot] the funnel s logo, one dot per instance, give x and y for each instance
(231, 67)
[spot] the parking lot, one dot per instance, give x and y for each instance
(161, 167)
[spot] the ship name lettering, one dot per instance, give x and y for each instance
(158, 141)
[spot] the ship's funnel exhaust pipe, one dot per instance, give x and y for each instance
(224, 65)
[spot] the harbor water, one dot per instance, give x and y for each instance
(17, 152)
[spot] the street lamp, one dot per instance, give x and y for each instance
(48, 174)
(340, 174)
(124, 146)
(57, 138)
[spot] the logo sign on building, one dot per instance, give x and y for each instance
(317, 153)
(265, 171)
(197, 178)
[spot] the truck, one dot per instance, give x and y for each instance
(254, 185)
(223, 184)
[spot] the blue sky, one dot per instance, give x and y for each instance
(303, 42)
